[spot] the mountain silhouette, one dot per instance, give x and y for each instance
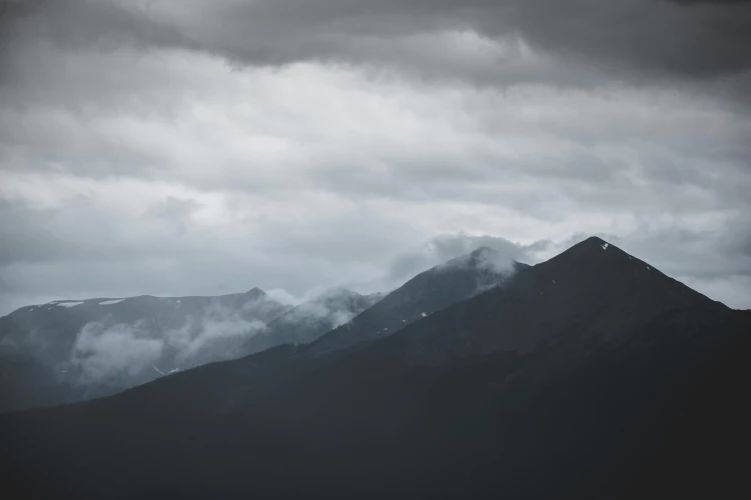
(453, 281)
(43, 361)
(590, 375)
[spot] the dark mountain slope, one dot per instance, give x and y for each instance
(598, 296)
(593, 289)
(430, 291)
(630, 386)
(226, 384)
(590, 298)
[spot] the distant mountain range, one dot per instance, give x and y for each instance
(590, 375)
(67, 351)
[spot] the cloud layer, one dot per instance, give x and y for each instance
(175, 147)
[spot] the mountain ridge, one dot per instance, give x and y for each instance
(427, 292)
(457, 279)
(586, 376)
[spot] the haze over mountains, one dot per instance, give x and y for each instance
(591, 375)
(307, 321)
(67, 351)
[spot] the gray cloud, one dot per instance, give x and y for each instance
(449, 246)
(693, 39)
(719, 2)
(179, 148)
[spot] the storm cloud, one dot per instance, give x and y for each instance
(193, 147)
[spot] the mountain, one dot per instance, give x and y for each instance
(442, 285)
(432, 290)
(311, 319)
(70, 350)
(591, 375)
(594, 289)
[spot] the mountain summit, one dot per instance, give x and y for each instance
(453, 281)
(594, 291)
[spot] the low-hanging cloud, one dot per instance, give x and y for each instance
(442, 249)
(326, 309)
(107, 355)
(123, 355)
(217, 334)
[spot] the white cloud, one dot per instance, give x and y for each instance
(106, 355)
(216, 334)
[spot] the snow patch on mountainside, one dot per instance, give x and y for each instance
(67, 303)
(110, 302)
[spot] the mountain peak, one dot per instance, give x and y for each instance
(593, 290)
(594, 248)
(484, 259)
(598, 269)
(483, 255)
(594, 241)
(255, 292)
(484, 250)
(453, 281)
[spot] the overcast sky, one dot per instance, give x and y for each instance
(176, 147)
